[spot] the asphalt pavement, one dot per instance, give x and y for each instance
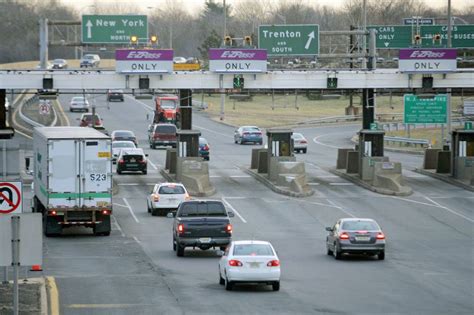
(428, 268)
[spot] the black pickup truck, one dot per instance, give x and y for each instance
(202, 224)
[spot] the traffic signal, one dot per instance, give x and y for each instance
(154, 39)
(134, 39)
(228, 41)
(238, 82)
(248, 41)
(332, 83)
(437, 37)
(417, 38)
(427, 82)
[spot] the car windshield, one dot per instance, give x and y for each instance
(253, 250)
(123, 145)
(88, 57)
(165, 129)
(202, 141)
(78, 99)
(297, 136)
(124, 134)
(250, 129)
(207, 209)
(58, 61)
(168, 104)
(91, 118)
(359, 225)
(171, 190)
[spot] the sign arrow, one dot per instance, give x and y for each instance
(89, 29)
(310, 38)
(386, 44)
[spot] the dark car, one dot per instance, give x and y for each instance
(59, 64)
(247, 134)
(162, 134)
(203, 224)
(204, 148)
(115, 95)
(124, 135)
(132, 160)
(355, 236)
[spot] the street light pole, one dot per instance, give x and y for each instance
(448, 90)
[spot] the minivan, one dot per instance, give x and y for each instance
(162, 134)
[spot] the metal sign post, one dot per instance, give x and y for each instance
(15, 260)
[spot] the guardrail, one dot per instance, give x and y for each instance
(331, 119)
(408, 141)
(30, 121)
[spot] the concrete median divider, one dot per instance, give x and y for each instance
(388, 175)
(193, 172)
(170, 163)
(430, 161)
(342, 157)
(352, 163)
(444, 162)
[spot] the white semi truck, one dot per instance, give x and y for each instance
(72, 178)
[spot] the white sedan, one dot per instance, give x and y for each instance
(249, 262)
(166, 197)
(300, 144)
(117, 146)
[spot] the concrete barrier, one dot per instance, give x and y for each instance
(342, 158)
(430, 161)
(388, 175)
(193, 172)
(367, 166)
(275, 168)
(444, 162)
(352, 163)
(292, 174)
(464, 166)
(254, 164)
(262, 161)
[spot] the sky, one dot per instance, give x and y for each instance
(196, 4)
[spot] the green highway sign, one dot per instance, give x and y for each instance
(420, 110)
(113, 29)
(289, 39)
(401, 36)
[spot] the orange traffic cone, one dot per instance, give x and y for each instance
(36, 268)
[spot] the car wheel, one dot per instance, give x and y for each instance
(148, 207)
(221, 280)
(144, 172)
(174, 245)
(276, 286)
(119, 172)
(179, 250)
(222, 248)
(337, 254)
(71, 110)
(228, 284)
(235, 141)
(329, 252)
(304, 150)
(154, 212)
(381, 255)
(260, 143)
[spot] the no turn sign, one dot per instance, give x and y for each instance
(10, 197)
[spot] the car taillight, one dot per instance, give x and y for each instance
(121, 161)
(235, 263)
(228, 228)
(106, 212)
(156, 198)
(180, 228)
(142, 161)
(344, 236)
(273, 263)
(303, 141)
(362, 232)
(245, 134)
(155, 136)
(52, 212)
(187, 197)
(206, 148)
(380, 236)
(97, 122)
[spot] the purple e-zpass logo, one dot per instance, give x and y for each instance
(143, 55)
(237, 54)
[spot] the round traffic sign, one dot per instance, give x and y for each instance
(10, 198)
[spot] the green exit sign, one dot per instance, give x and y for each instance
(289, 39)
(332, 83)
(113, 29)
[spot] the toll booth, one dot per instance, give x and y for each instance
(191, 170)
(370, 152)
(280, 149)
(462, 154)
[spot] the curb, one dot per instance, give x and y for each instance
(171, 178)
(276, 188)
(446, 178)
(365, 185)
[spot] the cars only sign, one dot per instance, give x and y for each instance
(238, 60)
(144, 60)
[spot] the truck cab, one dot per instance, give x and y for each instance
(166, 109)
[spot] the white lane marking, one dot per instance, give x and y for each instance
(235, 197)
(136, 239)
(233, 209)
(313, 165)
(450, 210)
(118, 226)
(151, 109)
(414, 201)
(240, 176)
(218, 133)
(152, 165)
(215, 176)
(327, 176)
(341, 184)
(131, 211)
(341, 208)
(120, 205)
(314, 184)
(315, 140)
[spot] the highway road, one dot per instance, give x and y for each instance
(428, 267)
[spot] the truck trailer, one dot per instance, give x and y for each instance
(72, 178)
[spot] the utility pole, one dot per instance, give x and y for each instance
(448, 90)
